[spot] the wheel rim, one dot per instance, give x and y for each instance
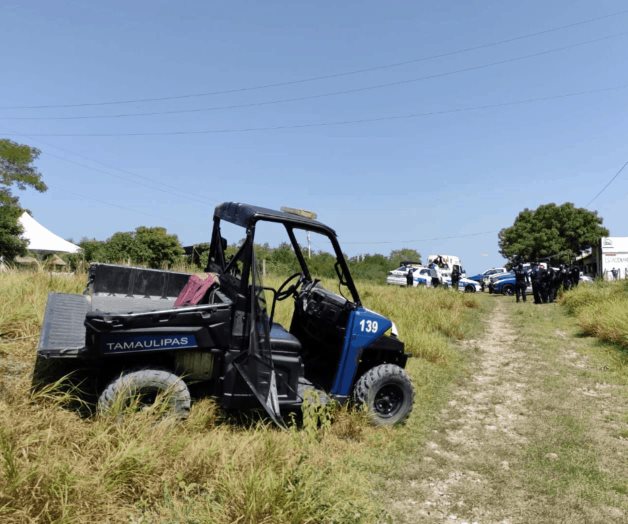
(143, 398)
(388, 401)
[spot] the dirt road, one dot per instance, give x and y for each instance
(534, 432)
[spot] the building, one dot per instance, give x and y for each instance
(610, 254)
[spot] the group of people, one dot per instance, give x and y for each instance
(546, 281)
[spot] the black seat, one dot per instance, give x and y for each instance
(282, 340)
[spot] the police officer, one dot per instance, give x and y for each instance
(455, 277)
(575, 275)
(521, 282)
(565, 277)
(409, 278)
(552, 280)
(535, 277)
(434, 274)
(544, 283)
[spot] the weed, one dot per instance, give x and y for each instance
(57, 466)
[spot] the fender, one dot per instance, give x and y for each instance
(363, 328)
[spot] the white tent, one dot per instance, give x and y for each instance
(41, 239)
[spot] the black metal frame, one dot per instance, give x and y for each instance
(247, 216)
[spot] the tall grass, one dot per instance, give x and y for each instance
(601, 309)
(58, 467)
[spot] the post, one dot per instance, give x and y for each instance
(309, 246)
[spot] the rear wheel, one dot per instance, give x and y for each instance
(469, 289)
(387, 394)
(143, 389)
(508, 290)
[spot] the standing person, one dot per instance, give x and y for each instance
(544, 282)
(521, 282)
(552, 283)
(435, 274)
(565, 277)
(615, 272)
(575, 275)
(409, 278)
(455, 277)
(535, 277)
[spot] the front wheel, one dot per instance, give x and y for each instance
(469, 289)
(387, 394)
(508, 290)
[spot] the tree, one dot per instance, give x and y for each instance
(156, 247)
(397, 256)
(553, 232)
(93, 250)
(16, 171)
(120, 247)
(11, 245)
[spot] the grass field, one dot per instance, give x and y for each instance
(601, 309)
(58, 467)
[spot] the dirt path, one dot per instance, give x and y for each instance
(522, 437)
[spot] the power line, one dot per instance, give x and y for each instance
(607, 184)
(467, 235)
(118, 206)
(329, 123)
(327, 94)
(152, 182)
(326, 76)
(153, 187)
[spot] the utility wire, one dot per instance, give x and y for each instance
(607, 184)
(327, 94)
(150, 186)
(329, 123)
(110, 204)
(326, 76)
(168, 188)
(467, 235)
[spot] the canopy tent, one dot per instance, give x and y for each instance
(41, 239)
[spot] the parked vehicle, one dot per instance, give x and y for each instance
(483, 278)
(506, 285)
(494, 279)
(398, 277)
(138, 332)
(465, 284)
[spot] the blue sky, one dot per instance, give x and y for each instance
(381, 184)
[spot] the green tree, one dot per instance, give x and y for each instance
(397, 256)
(120, 247)
(11, 245)
(558, 233)
(93, 250)
(156, 247)
(16, 171)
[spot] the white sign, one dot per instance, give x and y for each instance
(614, 244)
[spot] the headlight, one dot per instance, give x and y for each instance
(394, 331)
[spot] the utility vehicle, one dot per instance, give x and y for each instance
(136, 333)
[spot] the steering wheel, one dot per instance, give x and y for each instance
(282, 293)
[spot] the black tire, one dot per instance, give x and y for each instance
(387, 393)
(508, 290)
(146, 385)
(469, 289)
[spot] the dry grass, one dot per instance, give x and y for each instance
(58, 467)
(602, 311)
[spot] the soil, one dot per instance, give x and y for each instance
(487, 458)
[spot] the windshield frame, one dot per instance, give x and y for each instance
(217, 256)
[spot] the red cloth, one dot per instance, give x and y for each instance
(195, 289)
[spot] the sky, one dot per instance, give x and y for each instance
(426, 125)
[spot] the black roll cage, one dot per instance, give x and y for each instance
(247, 216)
